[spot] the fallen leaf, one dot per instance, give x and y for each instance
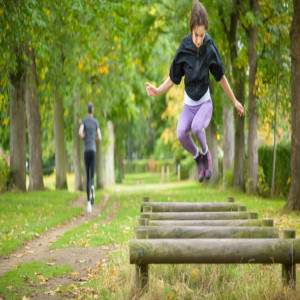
(176, 287)
(43, 279)
(9, 287)
(74, 273)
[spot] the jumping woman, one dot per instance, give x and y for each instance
(195, 57)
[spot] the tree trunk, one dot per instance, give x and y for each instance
(34, 125)
(239, 147)
(59, 137)
(252, 164)
(100, 164)
(294, 196)
(228, 139)
(212, 142)
(109, 157)
(76, 146)
(18, 125)
(238, 78)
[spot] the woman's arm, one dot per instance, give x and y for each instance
(153, 91)
(226, 87)
(81, 134)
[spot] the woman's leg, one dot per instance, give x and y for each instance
(200, 122)
(184, 127)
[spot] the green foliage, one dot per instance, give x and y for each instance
(282, 170)
(146, 165)
(5, 173)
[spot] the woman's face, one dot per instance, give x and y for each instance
(198, 35)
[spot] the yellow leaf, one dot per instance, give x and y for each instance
(218, 137)
(74, 273)
(5, 121)
(195, 273)
(115, 39)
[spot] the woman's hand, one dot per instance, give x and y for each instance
(239, 107)
(151, 90)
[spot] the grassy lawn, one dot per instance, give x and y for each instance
(25, 215)
(116, 277)
(28, 279)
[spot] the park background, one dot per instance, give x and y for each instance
(57, 56)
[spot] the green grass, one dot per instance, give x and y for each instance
(116, 279)
(23, 215)
(116, 276)
(28, 279)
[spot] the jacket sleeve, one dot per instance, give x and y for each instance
(216, 66)
(176, 70)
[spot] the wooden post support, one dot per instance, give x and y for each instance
(147, 209)
(162, 173)
(230, 199)
(242, 208)
(252, 215)
(141, 270)
(147, 199)
(289, 270)
(143, 222)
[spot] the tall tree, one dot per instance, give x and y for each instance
(18, 122)
(248, 14)
(238, 77)
(294, 196)
(34, 123)
(76, 145)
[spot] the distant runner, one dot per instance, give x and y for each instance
(87, 132)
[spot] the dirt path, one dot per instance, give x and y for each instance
(82, 260)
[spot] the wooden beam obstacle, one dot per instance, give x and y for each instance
(209, 233)
(247, 222)
(214, 251)
(184, 232)
(200, 215)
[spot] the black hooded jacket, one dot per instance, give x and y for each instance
(195, 66)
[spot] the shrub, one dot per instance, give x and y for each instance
(5, 173)
(282, 168)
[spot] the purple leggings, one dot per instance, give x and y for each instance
(195, 119)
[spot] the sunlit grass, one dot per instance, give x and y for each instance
(25, 215)
(117, 279)
(27, 279)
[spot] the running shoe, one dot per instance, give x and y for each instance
(207, 165)
(92, 194)
(89, 207)
(200, 171)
